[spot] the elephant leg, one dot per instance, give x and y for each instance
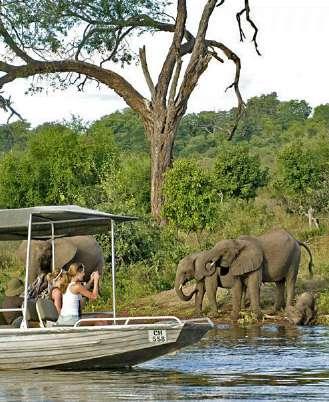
(308, 316)
(211, 283)
(279, 295)
(200, 286)
(291, 283)
(253, 285)
(237, 290)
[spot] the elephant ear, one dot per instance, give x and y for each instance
(248, 259)
(65, 251)
(203, 267)
(21, 251)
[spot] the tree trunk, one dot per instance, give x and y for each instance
(161, 134)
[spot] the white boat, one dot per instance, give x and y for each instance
(124, 342)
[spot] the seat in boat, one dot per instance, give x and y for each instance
(47, 312)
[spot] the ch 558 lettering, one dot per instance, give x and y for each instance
(158, 336)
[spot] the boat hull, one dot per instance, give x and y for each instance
(92, 348)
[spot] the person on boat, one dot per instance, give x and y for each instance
(57, 284)
(73, 290)
(13, 299)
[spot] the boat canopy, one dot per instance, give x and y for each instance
(67, 220)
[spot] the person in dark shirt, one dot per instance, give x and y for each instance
(14, 288)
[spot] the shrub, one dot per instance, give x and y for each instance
(237, 173)
(190, 202)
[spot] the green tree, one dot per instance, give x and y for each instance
(301, 169)
(127, 188)
(127, 129)
(237, 173)
(14, 135)
(321, 114)
(58, 167)
(293, 111)
(190, 200)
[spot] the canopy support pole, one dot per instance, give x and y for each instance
(53, 247)
(113, 271)
(27, 266)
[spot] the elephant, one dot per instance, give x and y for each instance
(82, 249)
(242, 260)
(206, 284)
(304, 312)
(280, 264)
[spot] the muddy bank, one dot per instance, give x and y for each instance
(168, 303)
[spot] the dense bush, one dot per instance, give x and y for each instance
(58, 166)
(190, 201)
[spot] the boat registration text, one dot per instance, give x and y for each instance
(158, 336)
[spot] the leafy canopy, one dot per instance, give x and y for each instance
(190, 200)
(303, 171)
(237, 173)
(59, 166)
(63, 27)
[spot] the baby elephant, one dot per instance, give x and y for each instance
(304, 311)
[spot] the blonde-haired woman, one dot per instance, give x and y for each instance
(73, 292)
(57, 284)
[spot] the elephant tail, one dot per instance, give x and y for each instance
(310, 264)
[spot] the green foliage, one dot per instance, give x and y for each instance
(47, 26)
(302, 169)
(190, 202)
(127, 188)
(293, 111)
(321, 114)
(238, 217)
(323, 303)
(14, 135)
(9, 265)
(237, 173)
(199, 133)
(127, 129)
(58, 167)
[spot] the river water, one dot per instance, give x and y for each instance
(268, 363)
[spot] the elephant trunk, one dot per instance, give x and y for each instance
(181, 294)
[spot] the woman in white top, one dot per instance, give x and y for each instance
(74, 290)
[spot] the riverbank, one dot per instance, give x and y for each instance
(168, 303)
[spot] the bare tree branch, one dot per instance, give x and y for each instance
(216, 56)
(174, 82)
(113, 80)
(12, 44)
(6, 105)
(146, 72)
(170, 61)
(246, 10)
(235, 84)
(220, 3)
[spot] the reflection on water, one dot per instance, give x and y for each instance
(258, 363)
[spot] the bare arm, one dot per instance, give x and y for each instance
(79, 289)
(56, 295)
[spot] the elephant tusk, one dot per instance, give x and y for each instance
(181, 286)
(213, 263)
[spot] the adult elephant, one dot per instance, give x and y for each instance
(82, 249)
(281, 254)
(206, 283)
(280, 264)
